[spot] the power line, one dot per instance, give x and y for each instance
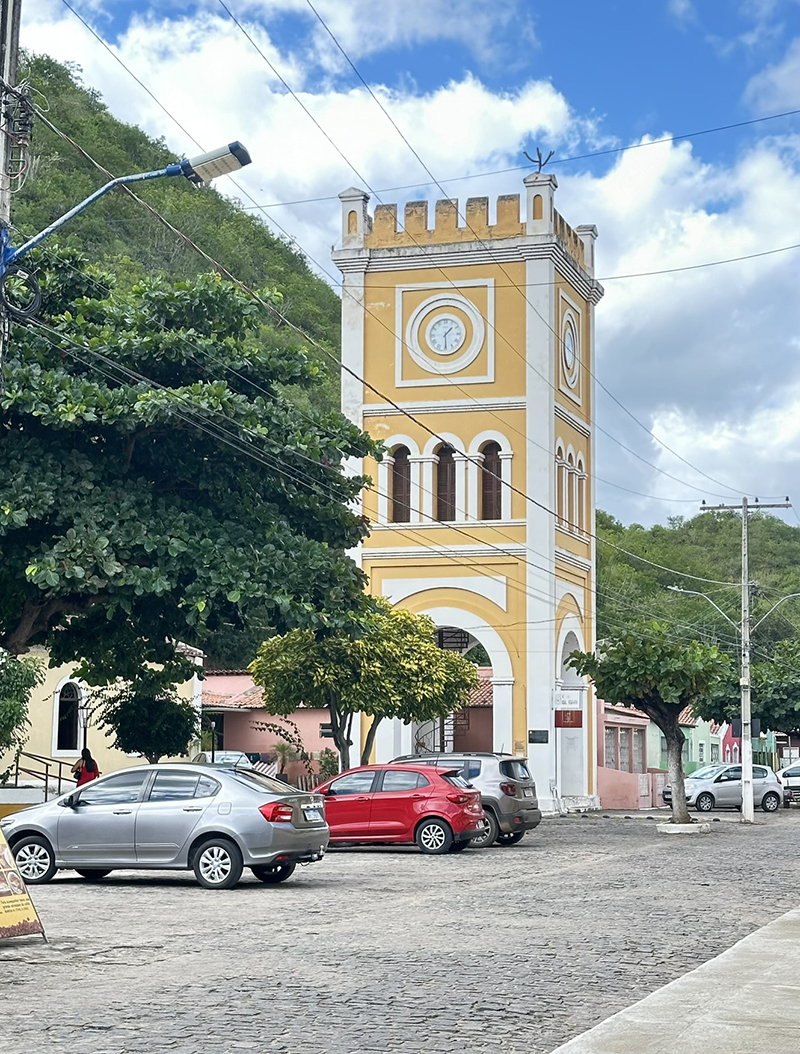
(273, 310)
(324, 270)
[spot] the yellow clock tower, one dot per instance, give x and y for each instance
(468, 351)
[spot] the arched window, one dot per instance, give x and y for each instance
(491, 483)
(68, 701)
(401, 486)
(445, 484)
(561, 487)
(570, 496)
(581, 515)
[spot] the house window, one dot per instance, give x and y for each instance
(491, 485)
(401, 486)
(68, 701)
(445, 485)
(638, 750)
(714, 753)
(625, 749)
(701, 753)
(611, 748)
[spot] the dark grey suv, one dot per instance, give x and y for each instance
(507, 790)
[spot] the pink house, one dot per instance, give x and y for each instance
(234, 704)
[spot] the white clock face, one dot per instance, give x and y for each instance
(570, 353)
(446, 334)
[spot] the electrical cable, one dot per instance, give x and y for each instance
(273, 310)
(327, 273)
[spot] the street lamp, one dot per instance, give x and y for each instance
(200, 169)
(744, 629)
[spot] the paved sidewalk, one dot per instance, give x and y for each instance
(745, 1000)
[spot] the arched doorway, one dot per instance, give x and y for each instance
(570, 722)
(471, 727)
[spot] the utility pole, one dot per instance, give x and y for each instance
(10, 14)
(748, 812)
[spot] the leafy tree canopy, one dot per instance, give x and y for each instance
(18, 678)
(660, 676)
(393, 669)
(121, 235)
(155, 482)
(144, 717)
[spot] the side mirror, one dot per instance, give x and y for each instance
(70, 801)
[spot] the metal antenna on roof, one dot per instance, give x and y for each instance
(538, 160)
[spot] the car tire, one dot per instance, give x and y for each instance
(459, 847)
(770, 802)
(217, 863)
(272, 874)
(705, 802)
(434, 837)
(509, 837)
(491, 829)
(93, 874)
(35, 859)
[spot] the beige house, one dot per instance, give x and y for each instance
(63, 720)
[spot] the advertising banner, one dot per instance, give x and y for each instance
(18, 916)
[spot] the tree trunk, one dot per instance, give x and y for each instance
(340, 729)
(370, 740)
(675, 739)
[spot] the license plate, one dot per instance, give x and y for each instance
(527, 792)
(313, 815)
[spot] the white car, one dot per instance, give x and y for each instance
(720, 786)
(790, 778)
(223, 757)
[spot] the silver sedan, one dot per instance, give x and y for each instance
(213, 820)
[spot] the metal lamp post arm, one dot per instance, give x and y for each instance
(695, 593)
(10, 255)
(788, 597)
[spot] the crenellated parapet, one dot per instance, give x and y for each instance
(533, 219)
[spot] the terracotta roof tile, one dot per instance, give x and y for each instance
(686, 717)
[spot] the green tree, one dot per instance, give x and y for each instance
(18, 678)
(146, 717)
(136, 513)
(775, 692)
(394, 668)
(660, 676)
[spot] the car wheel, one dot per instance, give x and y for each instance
(770, 802)
(35, 859)
(93, 874)
(217, 863)
(459, 847)
(510, 838)
(704, 803)
(274, 873)
(434, 836)
(491, 829)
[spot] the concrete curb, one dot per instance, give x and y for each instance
(683, 828)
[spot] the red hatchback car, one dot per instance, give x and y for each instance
(434, 808)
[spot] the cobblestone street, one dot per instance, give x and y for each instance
(386, 950)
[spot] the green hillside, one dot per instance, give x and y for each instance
(130, 242)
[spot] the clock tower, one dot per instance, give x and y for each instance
(468, 348)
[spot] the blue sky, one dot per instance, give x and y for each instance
(710, 359)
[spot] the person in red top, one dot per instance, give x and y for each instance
(86, 768)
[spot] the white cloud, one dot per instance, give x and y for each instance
(708, 358)
(778, 86)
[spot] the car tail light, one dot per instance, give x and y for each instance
(459, 799)
(509, 788)
(276, 812)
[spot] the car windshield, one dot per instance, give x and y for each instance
(707, 773)
(515, 770)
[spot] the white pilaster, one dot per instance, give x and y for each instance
(461, 486)
(427, 488)
(417, 503)
(384, 478)
(505, 490)
(503, 713)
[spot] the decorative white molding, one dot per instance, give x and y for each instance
(573, 420)
(490, 587)
(482, 337)
(438, 552)
(443, 407)
(502, 250)
(571, 558)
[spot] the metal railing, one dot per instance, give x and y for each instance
(44, 771)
